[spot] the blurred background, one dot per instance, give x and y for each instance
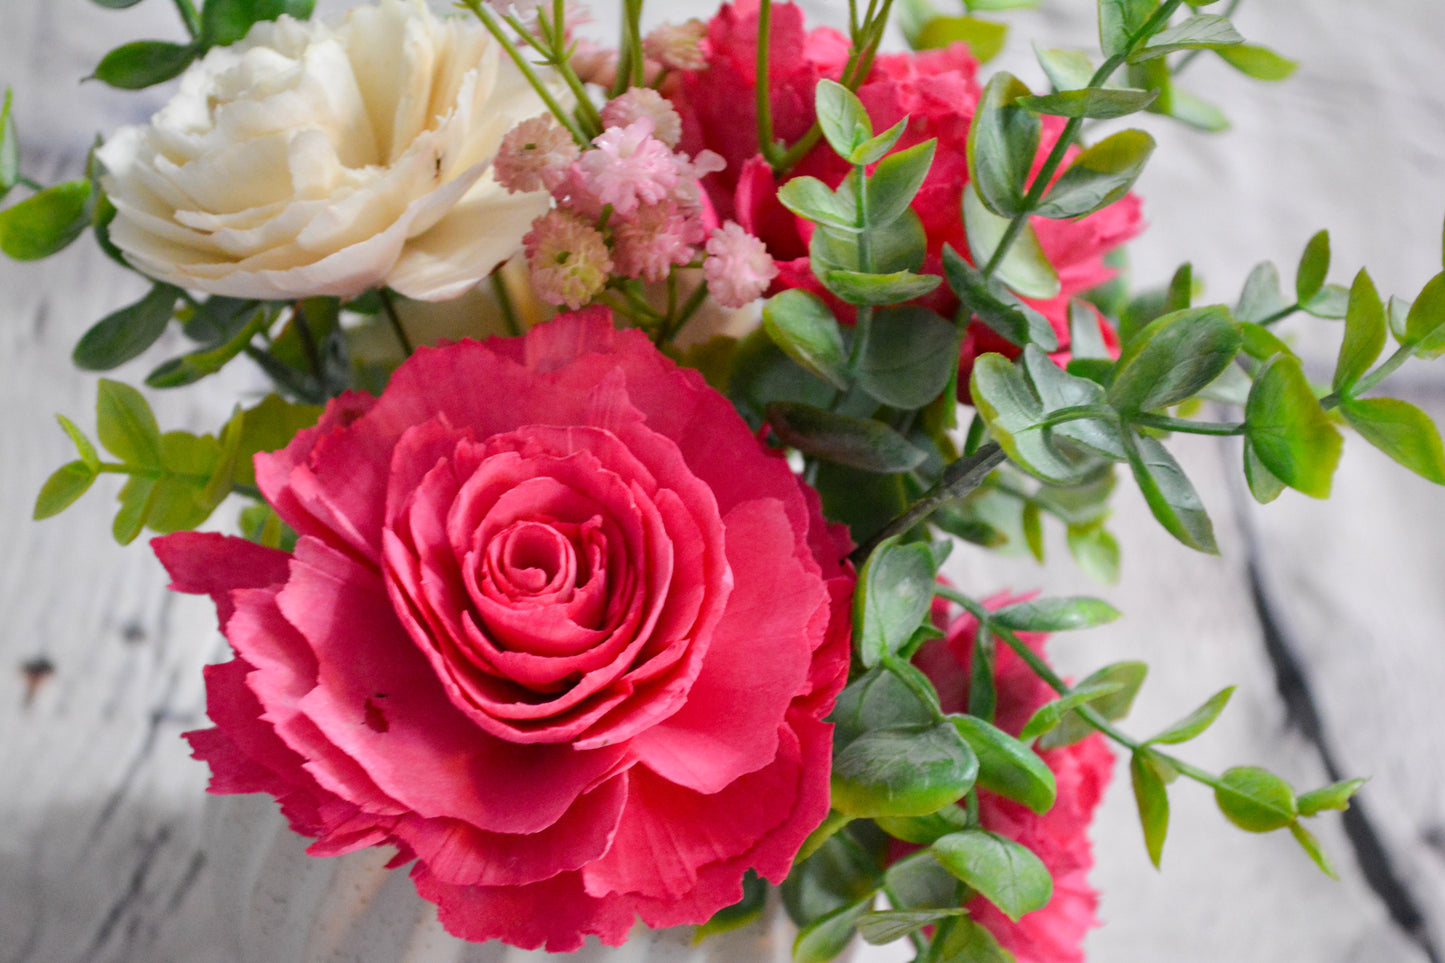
(1329, 617)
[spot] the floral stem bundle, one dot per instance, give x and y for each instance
(623, 406)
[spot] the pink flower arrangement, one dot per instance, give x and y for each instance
(1058, 837)
(556, 628)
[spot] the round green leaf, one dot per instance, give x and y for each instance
(903, 771)
(1174, 358)
(1288, 429)
(62, 488)
(1005, 873)
(1099, 176)
(1400, 430)
(126, 333)
(1006, 766)
(46, 222)
(1255, 799)
(143, 63)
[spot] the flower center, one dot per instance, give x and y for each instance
(531, 559)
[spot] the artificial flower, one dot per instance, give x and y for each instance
(556, 627)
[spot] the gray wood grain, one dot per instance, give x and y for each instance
(103, 854)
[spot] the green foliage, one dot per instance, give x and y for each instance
(1289, 431)
(991, 303)
(1055, 614)
(1024, 267)
(126, 333)
(910, 357)
(9, 148)
(1000, 870)
(801, 324)
(1400, 430)
(1006, 765)
(1152, 800)
(741, 913)
(1258, 62)
(1002, 142)
(1100, 175)
(1170, 495)
(1099, 103)
(226, 21)
(144, 63)
(1205, 31)
(1255, 800)
(1174, 358)
(1194, 724)
(47, 221)
(895, 590)
(856, 442)
(985, 38)
(1334, 796)
(1314, 265)
(907, 770)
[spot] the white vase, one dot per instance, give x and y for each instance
(276, 904)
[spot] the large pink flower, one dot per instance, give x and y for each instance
(555, 626)
(936, 90)
(1059, 837)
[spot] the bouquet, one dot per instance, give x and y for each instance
(624, 402)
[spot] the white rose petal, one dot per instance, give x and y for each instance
(314, 159)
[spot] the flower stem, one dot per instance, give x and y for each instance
(960, 478)
(192, 20)
(495, 29)
(389, 305)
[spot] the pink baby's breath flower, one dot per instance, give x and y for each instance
(638, 102)
(738, 267)
(628, 166)
(677, 46)
(534, 155)
(688, 191)
(568, 259)
(647, 243)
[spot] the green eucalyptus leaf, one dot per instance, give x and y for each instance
(82, 443)
(1397, 313)
(45, 222)
(1000, 870)
(842, 118)
(1055, 614)
(922, 830)
(822, 940)
(1008, 317)
(835, 875)
(874, 148)
(1196, 722)
(903, 771)
(894, 183)
(1152, 800)
(1099, 103)
(1264, 485)
(1024, 268)
(899, 245)
(1066, 69)
(144, 63)
(126, 333)
(1334, 796)
(1314, 265)
(803, 326)
(184, 497)
(1205, 31)
(1013, 412)
(1260, 343)
(1290, 433)
(1095, 551)
(894, 594)
(1331, 301)
(910, 356)
(855, 442)
(1174, 358)
(810, 198)
(226, 21)
(1007, 766)
(125, 425)
(878, 699)
(1050, 714)
(62, 488)
(1400, 430)
(137, 499)
(917, 881)
(1002, 142)
(889, 925)
(1425, 320)
(1170, 495)
(1261, 298)
(1119, 21)
(1098, 176)
(192, 367)
(858, 287)
(1180, 294)
(985, 38)
(1258, 62)
(1313, 849)
(9, 148)
(1255, 799)
(965, 940)
(1364, 333)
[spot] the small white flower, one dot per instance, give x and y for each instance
(326, 159)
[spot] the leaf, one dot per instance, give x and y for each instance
(922, 830)
(47, 221)
(82, 443)
(1174, 358)
(1011, 319)
(144, 63)
(1364, 333)
(894, 183)
(1152, 800)
(1100, 103)
(1258, 62)
(917, 881)
(137, 498)
(1002, 142)
(1002, 871)
(1055, 614)
(9, 148)
(985, 38)
(803, 326)
(1314, 265)
(1048, 715)
(1196, 722)
(1263, 483)
(964, 940)
(895, 591)
(810, 198)
(874, 148)
(825, 938)
(842, 117)
(126, 333)
(858, 287)
(1118, 684)
(226, 21)
(1013, 413)
(1099, 176)
(1331, 301)
(192, 367)
(1205, 31)
(902, 771)
(62, 488)
(1290, 433)
(1400, 430)
(1261, 298)
(1195, 111)
(911, 354)
(1312, 847)
(1024, 268)
(1255, 799)
(855, 442)
(125, 425)
(1170, 495)
(1334, 796)
(889, 925)
(1119, 21)
(1066, 69)
(1095, 551)
(1425, 321)
(1006, 765)
(878, 699)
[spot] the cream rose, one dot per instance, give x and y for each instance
(326, 159)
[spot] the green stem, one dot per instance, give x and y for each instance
(1071, 131)
(504, 301)
(112, 468)
(960, 478)
(495, 29)
(763, 90)
(1186, 426)
(1402, 354)
(192, 20)
(389, 306)
(1279, 315)
(554, 35)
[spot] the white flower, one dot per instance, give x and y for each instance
(315, 159)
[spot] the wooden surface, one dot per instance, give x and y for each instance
(102, 846)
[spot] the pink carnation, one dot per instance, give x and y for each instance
(1059, 837)
(556, 627)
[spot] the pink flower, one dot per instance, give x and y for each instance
(534, 155)
(738, 268)
(638, 102)
(1059, 837)
(628, 166)
(567, 258)
(648, 243)
(556, 627)
(677, 46)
